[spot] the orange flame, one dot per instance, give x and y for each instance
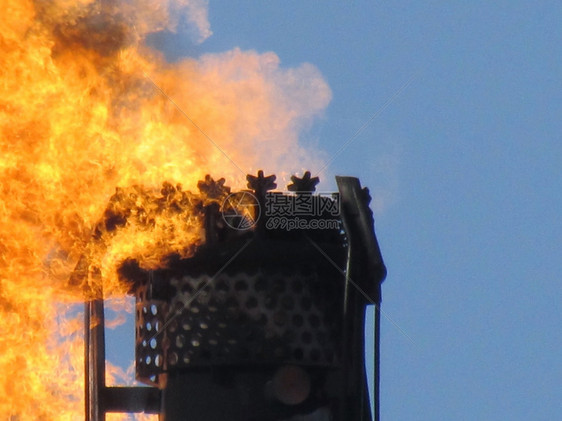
(86, 107)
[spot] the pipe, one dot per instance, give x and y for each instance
(94, 350)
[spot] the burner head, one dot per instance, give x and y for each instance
(266, 288)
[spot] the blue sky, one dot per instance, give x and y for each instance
(464, 166)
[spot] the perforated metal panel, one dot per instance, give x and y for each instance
(264, 317)
(150, 316)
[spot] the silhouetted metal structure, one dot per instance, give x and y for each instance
(265, 322)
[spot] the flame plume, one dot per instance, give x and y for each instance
(80, 116)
